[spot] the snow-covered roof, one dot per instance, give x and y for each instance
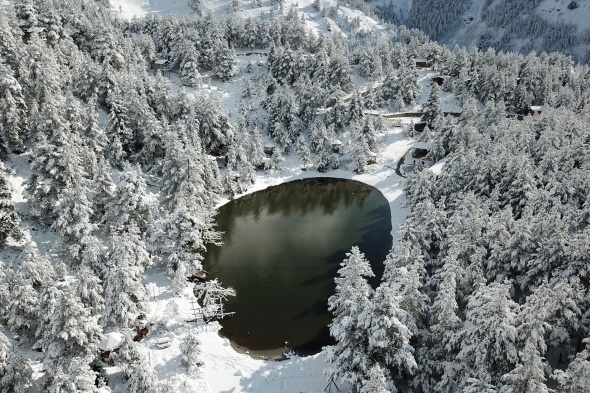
(36, 29)
(422, 145)
(437, 168)
(161, 62)
(536, 108)
(111, 341)
(336, 142)
(421, 60)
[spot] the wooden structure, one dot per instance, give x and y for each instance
(336, 145)
(221, 161)
(110, 344)
(371, 158)
(162, 65)
(163, 342)
(421, 63)
(419, 127)
(269, 149)
(417, 156)
(534, 110)
(439, 80)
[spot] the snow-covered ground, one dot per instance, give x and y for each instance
(556, 11)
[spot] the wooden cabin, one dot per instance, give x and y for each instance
(534, 110)
(160, 64)
(269, 149)
(419, 127)
(110, 344)
(418, 153)
(421, 63)
(336, 146)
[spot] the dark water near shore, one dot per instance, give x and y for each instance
(282, 249)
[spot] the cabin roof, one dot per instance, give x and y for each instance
(111, 341)
(161, 61)
(422, 145)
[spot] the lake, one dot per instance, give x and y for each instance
(282, 248)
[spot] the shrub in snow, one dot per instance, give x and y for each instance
(191, 352)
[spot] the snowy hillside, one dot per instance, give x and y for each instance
(123, 129)
(508, 25)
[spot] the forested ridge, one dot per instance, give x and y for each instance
(486, 291)
(508, 25)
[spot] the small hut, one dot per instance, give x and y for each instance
(110, 343)
(534, 110)
(269, 149)
(162, 65)
(419, 152)
(336, 145)
(419, 127)
(371, 158)
(421, 63)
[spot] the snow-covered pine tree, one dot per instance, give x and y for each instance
(225, 66)
(56, 162)
(73, 212)
(431, 111)
(356, 111)
(388, 337)
(71, 332)
(376, 382)
(143, 379)
(191, 352)
(189, 69)
(75, 376)
(35, 267)
(132, 203)
(404, 272)
(22, 309)
(348, 358)
(12, 113)
(124, 290)
(129, 356)
(359, 150)
(276, 158)
(369, 133)
(488, 336)
(90, 291)
(408, 82)
(546, 310)
(16, 371)
(9, 219)
(49, 296)
(576, 378)
(183, 175)
(303, 151)
(180, 237)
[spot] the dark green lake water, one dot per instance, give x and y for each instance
(282, 248)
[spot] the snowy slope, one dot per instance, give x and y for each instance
(130, 8)
(565, 29)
